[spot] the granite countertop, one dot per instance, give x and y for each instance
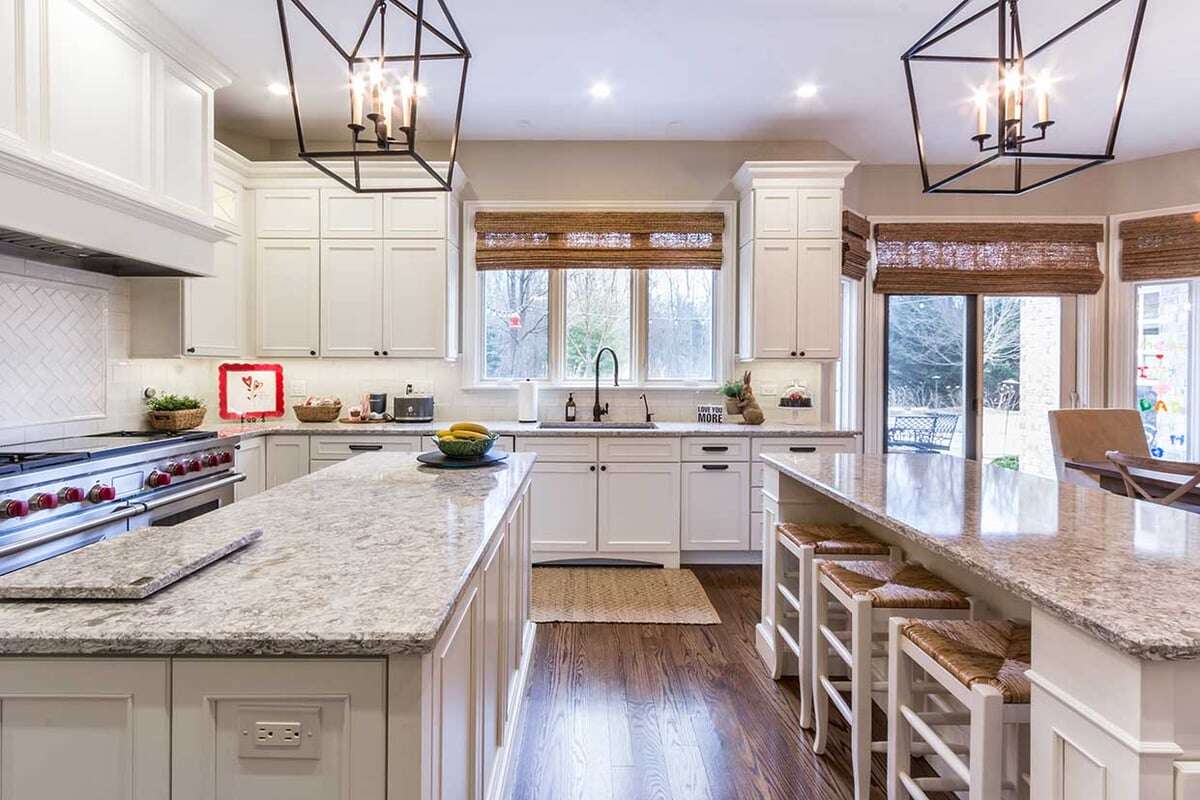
(512, 428)
(1122, 570)
(363, 558)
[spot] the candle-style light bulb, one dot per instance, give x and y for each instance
(389, 100)
(406, 101)
(1043, 98)
(357, 91)
(1013, 95)
(981, 114)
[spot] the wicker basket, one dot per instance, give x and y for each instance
(317, 413)
(174, 421)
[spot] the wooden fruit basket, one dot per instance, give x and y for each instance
(175, 421)
(317, 413)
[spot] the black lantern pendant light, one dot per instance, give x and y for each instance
(1012, 131)
(384, 92)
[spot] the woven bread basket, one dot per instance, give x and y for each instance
(317, 413)
(174, 421)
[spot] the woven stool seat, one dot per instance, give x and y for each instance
(833, 540)
(891, 584)
(994, 652)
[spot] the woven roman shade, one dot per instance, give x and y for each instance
(598, 240)
(1161, 248)
(855, 257)
(988, 258)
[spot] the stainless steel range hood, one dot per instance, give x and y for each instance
(49, 251)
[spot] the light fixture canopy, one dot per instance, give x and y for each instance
(1009, 133)
(380, 130)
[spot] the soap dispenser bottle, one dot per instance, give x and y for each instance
(570, 407)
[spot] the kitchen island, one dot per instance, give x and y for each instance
(1110, 585)
(372, 643)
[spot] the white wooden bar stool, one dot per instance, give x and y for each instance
(868, 593)
(797, 545)
(982, 664)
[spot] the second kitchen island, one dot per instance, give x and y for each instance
(373, 643)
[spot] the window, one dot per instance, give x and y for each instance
(516, 324)
(598, 313)
(848, 367)
(1164, 366)
(679, 328)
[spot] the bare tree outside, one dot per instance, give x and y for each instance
(517, 324)
(599, 314)
(680, 343)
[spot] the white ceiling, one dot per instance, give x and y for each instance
(728, 70)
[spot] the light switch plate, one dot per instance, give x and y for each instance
(279, 731)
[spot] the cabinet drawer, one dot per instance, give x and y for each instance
(756, 473)
(632, 450)
(503, 445)
(716, 448)
(334, 448)
(845, 444)
(558, 449)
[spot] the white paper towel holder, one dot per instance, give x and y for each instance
(527, 401)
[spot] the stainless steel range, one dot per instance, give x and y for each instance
(62, 494)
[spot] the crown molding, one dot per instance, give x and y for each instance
(793, 174)
(150, 23)
(264, 174)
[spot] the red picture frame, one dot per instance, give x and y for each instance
(246, 391)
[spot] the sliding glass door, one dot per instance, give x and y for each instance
(1165, 367)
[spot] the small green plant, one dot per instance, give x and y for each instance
(1007, 462)
(172, 402)
(732, 389)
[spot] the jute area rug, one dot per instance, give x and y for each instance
(620, 594)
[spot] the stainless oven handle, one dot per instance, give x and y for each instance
(159, 502)
(117, 516)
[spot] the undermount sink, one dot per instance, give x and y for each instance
(599, 425)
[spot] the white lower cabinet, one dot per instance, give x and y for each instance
(251, 461)
(456, 756)
(228, 715)
(96, 728)
(715, 506)
(287, 458)
(493, 701)
(563, 507)
(639, 507)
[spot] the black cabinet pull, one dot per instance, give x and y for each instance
(376, 352)
(802, 354)
(715, 466)
(364, 447)
(592, 468)
(793, 353)
(312, 352)
(715, 448)
(803, 449)
(604, 469)
(385, 352)
(191, 349)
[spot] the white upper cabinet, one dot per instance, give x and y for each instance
(774, 213)
(415, 298)
(775, 297)
(287, 213)
(186, 112)
(351, 308)
(349, 215)
(227, 204)
(11, 94)
(819, 299)
(418, 216)
(212, 316)
(288, 308)
(820, 214)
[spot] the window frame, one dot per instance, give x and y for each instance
(1193, 367)
(724, 303)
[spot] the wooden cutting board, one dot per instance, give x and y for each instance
(131, 566)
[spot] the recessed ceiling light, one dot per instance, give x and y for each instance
(806, 90)
(600, 90)
(278, 89)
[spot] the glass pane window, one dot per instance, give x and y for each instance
(598, 313)
(1022, 380)
(516, 323)
(679, 304)
(1162, 366)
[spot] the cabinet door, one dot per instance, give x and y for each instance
(351, 310)
(287, 459)
(819, 299)
(494, 588)
(289, 298)
(775, 299)
(415, 216)
(349, 215)
(775, 213)
(251, 461)
(414, 299)
(820, 214)
(716, 506)
(563, 507)
(456, 757)
(639, 507)
(287, 214)
(212, 307)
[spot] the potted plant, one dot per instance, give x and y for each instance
(172, 412)
(733, 393)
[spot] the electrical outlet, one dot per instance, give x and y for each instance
(279, 731)
(278, 734)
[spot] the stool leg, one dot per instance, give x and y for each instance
(805, 639)
(819, 660)
(900, 674)
(860, 696)
(987, 743)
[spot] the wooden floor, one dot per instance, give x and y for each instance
(676, 712)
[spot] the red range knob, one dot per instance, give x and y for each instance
(175, 469)
(43, 501)
(194, 465)
(226, 458)
(211, 460)
(102, 494)
(158, 479)
(70, 494)
(11, 509)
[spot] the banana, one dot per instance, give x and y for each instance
(474, 427)
(469, 435)
(444, 434)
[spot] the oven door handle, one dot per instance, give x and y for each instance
(125, 513)
(159, 502)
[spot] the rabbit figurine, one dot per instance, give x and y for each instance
(748, 407)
